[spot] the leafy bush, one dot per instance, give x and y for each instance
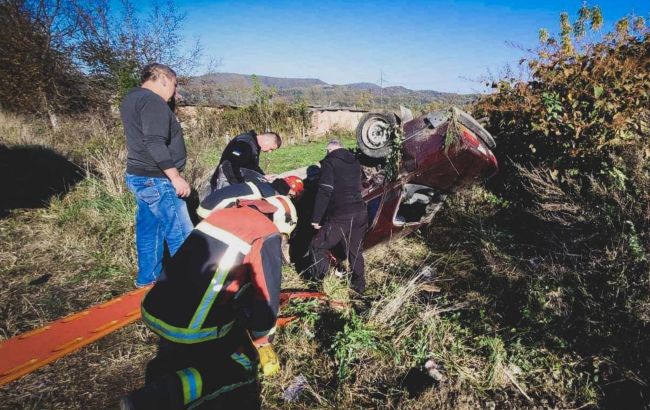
(572, 143)
(580, 109)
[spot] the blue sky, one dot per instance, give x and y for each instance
(439, 45)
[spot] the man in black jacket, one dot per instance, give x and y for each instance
(340, 204)
(242, 155)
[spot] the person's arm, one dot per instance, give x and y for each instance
(266, 263)
(155, 129)
(181, 186)
(324, 193)
(240, 156)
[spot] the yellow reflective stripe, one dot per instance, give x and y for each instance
(192, 384)
(243, 360)
(224, 236)
(199, 382)
(213, 289)
(184, 335)
(221, 391)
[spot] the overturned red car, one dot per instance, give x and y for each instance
(411, 165)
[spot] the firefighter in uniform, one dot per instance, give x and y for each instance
(221, 198)
(215, 310)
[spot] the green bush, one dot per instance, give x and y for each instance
(575, 184)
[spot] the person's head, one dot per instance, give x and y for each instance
(334, 145)
(290, 185)
(269, 141)
(295, 184)
(313, 172)
(160, 79)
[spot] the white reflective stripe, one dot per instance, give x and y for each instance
(280, 215)
(224, 236)
(203, 212)
(329, 186)
(289, 204)
(279, 218)
(224, 203)
(255, 195)
(276, 203)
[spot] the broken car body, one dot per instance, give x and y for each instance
(440, 153)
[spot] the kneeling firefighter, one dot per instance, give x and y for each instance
(215, 310)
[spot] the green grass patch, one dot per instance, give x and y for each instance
(298, 156)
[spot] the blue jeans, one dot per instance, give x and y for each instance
(161, 216)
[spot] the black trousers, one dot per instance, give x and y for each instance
(219, 374)
(348, 232)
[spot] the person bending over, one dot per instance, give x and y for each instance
(243, 153)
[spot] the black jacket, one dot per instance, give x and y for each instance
(230, 264)
(339, 186)
(241, 152)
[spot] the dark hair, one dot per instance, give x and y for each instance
(281, 186)
(153, 70)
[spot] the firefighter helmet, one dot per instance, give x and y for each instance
(295, 184)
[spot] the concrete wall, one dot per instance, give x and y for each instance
(327, 120)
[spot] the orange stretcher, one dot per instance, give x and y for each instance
(32, 350)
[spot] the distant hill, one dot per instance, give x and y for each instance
(362, 86)
(244, 80)
(236, 89)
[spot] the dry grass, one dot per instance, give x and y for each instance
(78, 250)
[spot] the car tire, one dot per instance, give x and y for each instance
(374, 133)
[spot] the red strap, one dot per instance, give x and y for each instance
(260, 204)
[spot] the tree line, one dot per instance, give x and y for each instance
(66, 56)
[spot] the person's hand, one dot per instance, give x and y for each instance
(182, 187)
(270, 177)
(315, 225)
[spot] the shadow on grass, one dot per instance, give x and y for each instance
(32, 175)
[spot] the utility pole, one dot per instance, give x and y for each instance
(381, 88)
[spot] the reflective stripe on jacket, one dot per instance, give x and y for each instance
(230, 264)
(226, 196)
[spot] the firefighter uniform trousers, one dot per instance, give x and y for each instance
(210, 375)
(221, 286)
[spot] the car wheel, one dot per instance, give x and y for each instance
(374, 133)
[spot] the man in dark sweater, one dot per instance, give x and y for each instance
(340, 204)
(242, 155)
(156, 157)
